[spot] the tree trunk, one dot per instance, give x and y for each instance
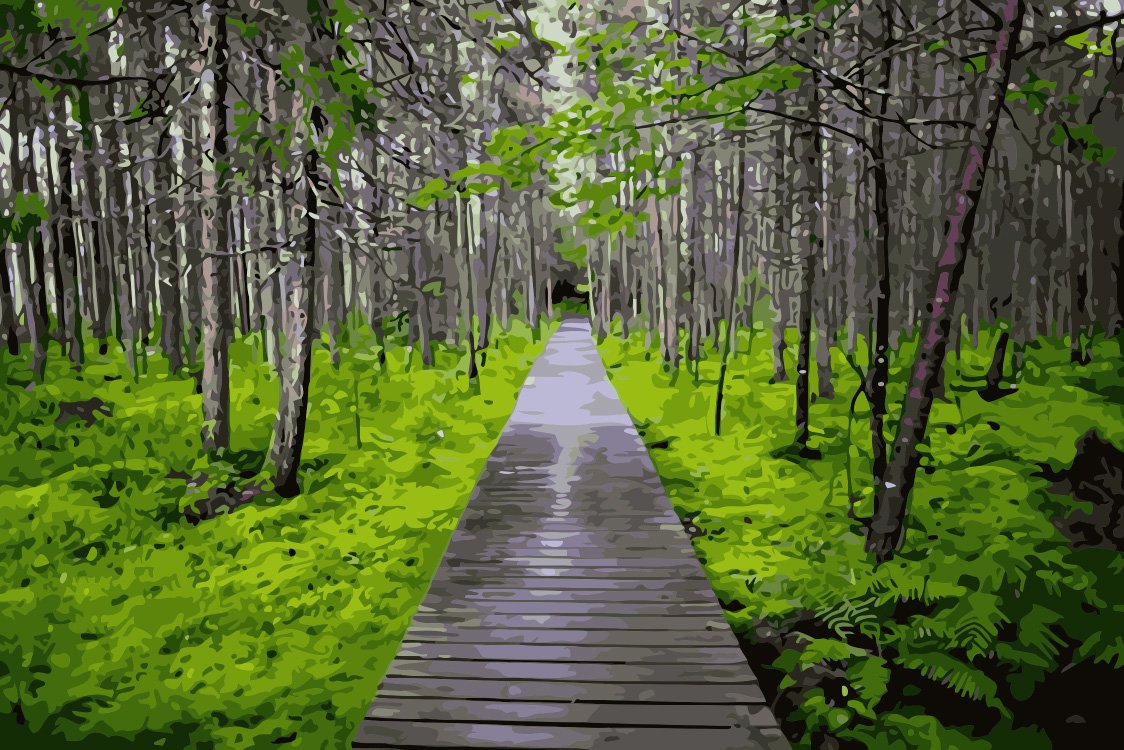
(491, 229)
(1118, 268)
(101, 307)
(51, 237)
(808, 157)
(886, 530)
(825, 386)
(116, 202)
(67, 251)
(8, 305)
(32, 268)
(215, 288)
(532, 267)
(169, 215)
(459, 234)
(241, 267)
(421, 308)
(298, 309)
(35, 304)
(878, 374)
(735, 267)
(331, 304)
(803, 359)
(995, 371)
(671, 275)
(780, 374)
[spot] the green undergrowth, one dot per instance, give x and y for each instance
(123, 625)
(988, 630)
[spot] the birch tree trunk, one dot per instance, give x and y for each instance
(735, 266)
(297, 310)
(215, 270)
(8, 305)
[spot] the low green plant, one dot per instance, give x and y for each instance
(986, 603)
(274, 623)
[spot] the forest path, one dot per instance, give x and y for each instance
(570, 610)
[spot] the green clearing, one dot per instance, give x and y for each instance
(964, 633)
(123, 625)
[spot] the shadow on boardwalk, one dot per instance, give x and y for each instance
(570, 610)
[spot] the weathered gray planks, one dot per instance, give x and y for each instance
(569, 611)
(572, 692)
(574, 636)
(407, 735)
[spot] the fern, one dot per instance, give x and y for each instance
(976, 620)
(846, 615)
(1037, 632)
(963, 679)
(820, 650)
(870, 678)
(911, 582)
(1104, 648)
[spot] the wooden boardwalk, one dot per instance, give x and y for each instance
(570, 610)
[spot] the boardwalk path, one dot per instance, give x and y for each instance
(570, 610)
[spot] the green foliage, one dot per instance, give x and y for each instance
(986, 600)
(1083, 140)
(121, 620)
(641, 86)
(1035, 91)
(72, 19)
(28, 211)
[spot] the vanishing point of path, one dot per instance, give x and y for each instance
(570, 610)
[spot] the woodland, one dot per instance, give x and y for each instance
(272, 273)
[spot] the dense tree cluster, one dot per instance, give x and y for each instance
(890, 187)
(184, 172)
(177, 174)
(845, 169)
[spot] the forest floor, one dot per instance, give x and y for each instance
(988, 620)
(274, 624)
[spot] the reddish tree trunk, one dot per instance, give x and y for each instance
(886, 531)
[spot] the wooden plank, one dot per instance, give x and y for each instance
(477, 607)
(573, 670)
(445, 591)
(470, 568)
(516, 581)
(407, 735)
(575, 522)
(546, 690)
(557, 622)
(650, 714)
(584, 536)
(680, 563)
(571, 636)
(598, 509)
(642, 655)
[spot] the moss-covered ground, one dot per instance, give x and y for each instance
(988, 623)
(122, 625)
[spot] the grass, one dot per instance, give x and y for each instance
(988, 629)
(123, 625)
